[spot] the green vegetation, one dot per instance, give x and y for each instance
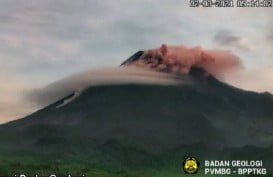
(63, 168)
(114, 160)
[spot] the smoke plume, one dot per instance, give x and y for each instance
(181, 59)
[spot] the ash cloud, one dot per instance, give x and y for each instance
(223, 65)
(180, 59)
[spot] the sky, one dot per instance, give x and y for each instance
(45, 41)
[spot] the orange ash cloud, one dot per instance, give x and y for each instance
(179, 59)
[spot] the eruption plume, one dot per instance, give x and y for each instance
(180, 59)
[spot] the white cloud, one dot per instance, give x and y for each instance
(107, 76)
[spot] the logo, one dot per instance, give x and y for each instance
(191, 165)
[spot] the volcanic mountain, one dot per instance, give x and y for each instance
(134, 124)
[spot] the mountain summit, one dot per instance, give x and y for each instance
(180, 60)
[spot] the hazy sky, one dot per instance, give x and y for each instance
(44, 41)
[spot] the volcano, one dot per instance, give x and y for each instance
(134, 126)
